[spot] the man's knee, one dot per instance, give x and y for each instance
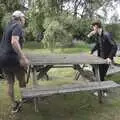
(20, 75)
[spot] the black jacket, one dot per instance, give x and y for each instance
(105, 46)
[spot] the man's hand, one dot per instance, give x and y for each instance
(91, 33)
(24, 62)
(108, 60)
(90, 52)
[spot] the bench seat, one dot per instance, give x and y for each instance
(39, 91)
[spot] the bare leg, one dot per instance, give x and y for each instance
(11, 92)
(10, 78)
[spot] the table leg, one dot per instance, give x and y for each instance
(77, 75)
(28, 74)
(36, 104)
(34, 76)
(34, 84)
(97, 74)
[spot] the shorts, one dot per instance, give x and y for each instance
(18, 72)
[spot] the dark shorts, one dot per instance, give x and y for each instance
(16, 72)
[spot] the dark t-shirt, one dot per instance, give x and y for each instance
(8, 56)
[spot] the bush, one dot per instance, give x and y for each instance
(79, 28)
(56, 34)
(115, 30)
(2, 12)
(6, 19)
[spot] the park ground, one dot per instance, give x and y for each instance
(73, 106)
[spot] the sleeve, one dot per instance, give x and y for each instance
(17, 31)
(113, 44)
(94, 48)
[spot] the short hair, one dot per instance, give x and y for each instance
(98, 23)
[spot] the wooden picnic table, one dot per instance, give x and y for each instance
(62, 60)
(54, 59)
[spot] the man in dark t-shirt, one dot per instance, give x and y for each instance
(12, 59)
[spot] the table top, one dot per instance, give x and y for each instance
(61, 59)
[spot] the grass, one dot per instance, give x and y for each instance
(35, 47)
(73, 106)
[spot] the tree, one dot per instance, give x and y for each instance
(11, 5)
(51, 17)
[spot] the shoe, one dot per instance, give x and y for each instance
(95, 93)
(105, 94)
(16, 107)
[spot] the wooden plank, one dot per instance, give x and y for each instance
(82, 58)
(74, 87)
(113, 69)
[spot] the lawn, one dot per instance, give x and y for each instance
(73, 106)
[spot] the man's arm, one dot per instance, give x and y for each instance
(16, 46)
(94, 48)
(96, 45)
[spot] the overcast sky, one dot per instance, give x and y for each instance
(110, 11)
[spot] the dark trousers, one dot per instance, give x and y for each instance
(103, 68)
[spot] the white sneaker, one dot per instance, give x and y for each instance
(105, 94)
(95, 93)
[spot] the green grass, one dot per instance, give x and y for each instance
(35, 47)
(73, 106)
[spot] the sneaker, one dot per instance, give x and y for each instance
(95, 93)
(105, 94)
(16, 107)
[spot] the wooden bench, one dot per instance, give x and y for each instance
(74, 87)
(40, 91)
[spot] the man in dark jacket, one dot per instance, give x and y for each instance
(105, 46)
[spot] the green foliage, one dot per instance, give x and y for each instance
(11, 5)
(56, 34)
(2, 11)
(59, 27)
(79, 28)
(29, 35)
(5, 20)
(6, 7)
(50, 7)
(115, 30)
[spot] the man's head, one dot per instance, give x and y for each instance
(19, 16)
(96, 26)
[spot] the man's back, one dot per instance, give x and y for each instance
(8, 56)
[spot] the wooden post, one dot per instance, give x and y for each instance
(77, 75)
(34, 76)
(36, 104)
(97, 74)
(34, 85)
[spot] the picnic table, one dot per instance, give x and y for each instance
(64, 60)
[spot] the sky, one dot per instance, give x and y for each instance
(110, 11)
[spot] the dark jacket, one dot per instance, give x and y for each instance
(105, 46)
